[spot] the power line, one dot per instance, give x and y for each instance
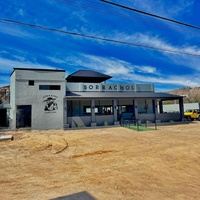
(96, 9)
(113, 13)
(94, 37)
(152, 15)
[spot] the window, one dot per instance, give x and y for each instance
(49, 87)
(87, 109)
(105, 107)
(106, 110)
(31, 82)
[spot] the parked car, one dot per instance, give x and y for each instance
(192, 114)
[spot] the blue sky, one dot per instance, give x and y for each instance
(26, 47)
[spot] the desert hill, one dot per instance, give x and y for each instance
(4, 95)
(191, 95)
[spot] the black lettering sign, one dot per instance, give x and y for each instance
(121, 87)
(90, 87)
(127, 87)
(109, 87)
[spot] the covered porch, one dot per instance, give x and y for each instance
(91, 109)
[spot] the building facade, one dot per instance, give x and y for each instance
(46, 99)
(36, 98)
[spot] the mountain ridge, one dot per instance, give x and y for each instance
(191, 95)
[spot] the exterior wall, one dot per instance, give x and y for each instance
(12, 102)
(163, 117)
(24, 94)
(105, 120)
(166, 117)
(83, 121)
(101, 87)
(175, 107)
(146, 117)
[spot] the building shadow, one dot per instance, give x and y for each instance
(77, 196)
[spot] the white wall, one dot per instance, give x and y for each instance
(12, 102)
(175, 107)
(24, 94)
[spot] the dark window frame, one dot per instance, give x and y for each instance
(49, 87)
(31, 82)
(89, 107)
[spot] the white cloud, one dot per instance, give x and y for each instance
(156, 42)
(183, 81)
(149, 41)
(15, 30)
(6, 65)
(6, 68)
(21, 12)
(179, 7)
(167, 8)
(111, 66)
(3, 52)
(192, 62)
(56, 60)
(125, 71)
(147, 70)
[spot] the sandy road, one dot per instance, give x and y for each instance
(106, 163)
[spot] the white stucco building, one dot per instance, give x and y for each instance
(46, 99)
(31, 90)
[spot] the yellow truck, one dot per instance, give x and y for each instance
(192, 114)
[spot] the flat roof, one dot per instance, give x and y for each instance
(120, 95)
(36, 69)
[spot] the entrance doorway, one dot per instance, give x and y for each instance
(3, 117)
(23, 117)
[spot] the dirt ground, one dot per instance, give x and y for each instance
(107, 164)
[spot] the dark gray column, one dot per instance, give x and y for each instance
(115, 110)
(136, 109)
(181, 108)
(93, 119)
(154, 101)
(155, 106)
(92, 104)
(161, 106)
(65, 121)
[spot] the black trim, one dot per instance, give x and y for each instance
(49, 87)
(33, 69)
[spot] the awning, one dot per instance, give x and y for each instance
(121, 95)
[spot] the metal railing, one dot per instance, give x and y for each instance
(129, 122)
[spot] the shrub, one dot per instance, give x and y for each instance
(105, 123)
